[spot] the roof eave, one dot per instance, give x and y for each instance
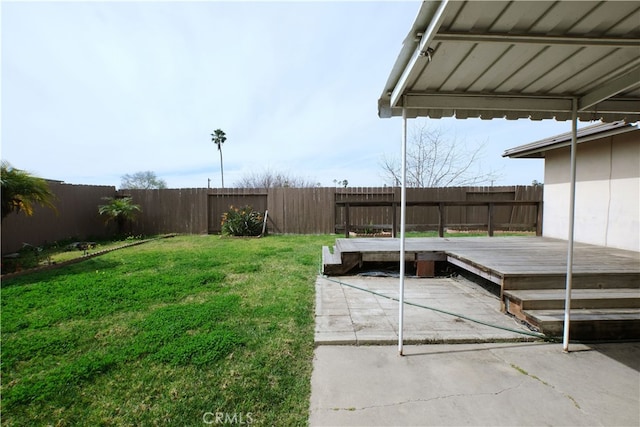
(537, 149)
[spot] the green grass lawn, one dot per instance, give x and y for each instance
(164, 333)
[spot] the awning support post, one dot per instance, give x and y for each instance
(572, 213)
(403, 217)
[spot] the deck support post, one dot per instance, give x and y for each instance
(403, 223)
(572, 213)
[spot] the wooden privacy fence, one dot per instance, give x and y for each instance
(464, 207)
(324, 210)
(76, 217)
(291, 210)
(490, 223)
(220, 203)
(179, 210)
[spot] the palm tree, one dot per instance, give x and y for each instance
(119, 210)
(20, 190)
(218, 137)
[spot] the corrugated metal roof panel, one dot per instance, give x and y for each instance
(528, 55)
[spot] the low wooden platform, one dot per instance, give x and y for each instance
(531, 274)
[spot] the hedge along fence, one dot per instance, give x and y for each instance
(291, 210)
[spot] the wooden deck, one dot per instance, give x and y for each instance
(502, 256)
(531, 273)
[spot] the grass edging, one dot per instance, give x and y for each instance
(83, 257)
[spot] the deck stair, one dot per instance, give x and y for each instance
(336, 263)
(530, 273)
(602, 312)
(589, 324)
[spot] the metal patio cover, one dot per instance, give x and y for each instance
(519, 59)
(537, 60)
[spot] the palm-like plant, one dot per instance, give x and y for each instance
(120, 210)
(20, 190)
(219, 137)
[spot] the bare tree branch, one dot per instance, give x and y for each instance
(390, 170)
(144, 180)
(433, 160)
(272, 179)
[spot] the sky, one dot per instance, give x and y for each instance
(91, 91)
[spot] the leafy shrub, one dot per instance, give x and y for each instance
(120, 210)
(242, 222)
(25, 258)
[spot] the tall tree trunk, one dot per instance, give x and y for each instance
(221, 170)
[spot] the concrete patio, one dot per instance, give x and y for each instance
(500, 384)
(476, 375)
(346, 315)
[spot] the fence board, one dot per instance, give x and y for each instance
(277, 217)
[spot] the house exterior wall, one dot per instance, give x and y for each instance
(607, 192)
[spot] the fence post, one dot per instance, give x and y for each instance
(539, 219)
(441, 219)
(490, 220)
(346, 220)
(394, 220)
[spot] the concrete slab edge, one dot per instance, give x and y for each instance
(425, 341)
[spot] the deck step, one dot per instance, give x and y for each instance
(538, 299)
(589, 324)
(337, 263)
(596, 280)
(329, 257)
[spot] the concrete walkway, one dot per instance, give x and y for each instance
(476, 375)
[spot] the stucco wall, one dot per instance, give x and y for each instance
(607, 192)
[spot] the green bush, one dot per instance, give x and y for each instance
(242, 222)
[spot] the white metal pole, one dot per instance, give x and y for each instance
(572, 213)
(403, 212)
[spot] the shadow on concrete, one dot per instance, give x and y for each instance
(628, 353)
